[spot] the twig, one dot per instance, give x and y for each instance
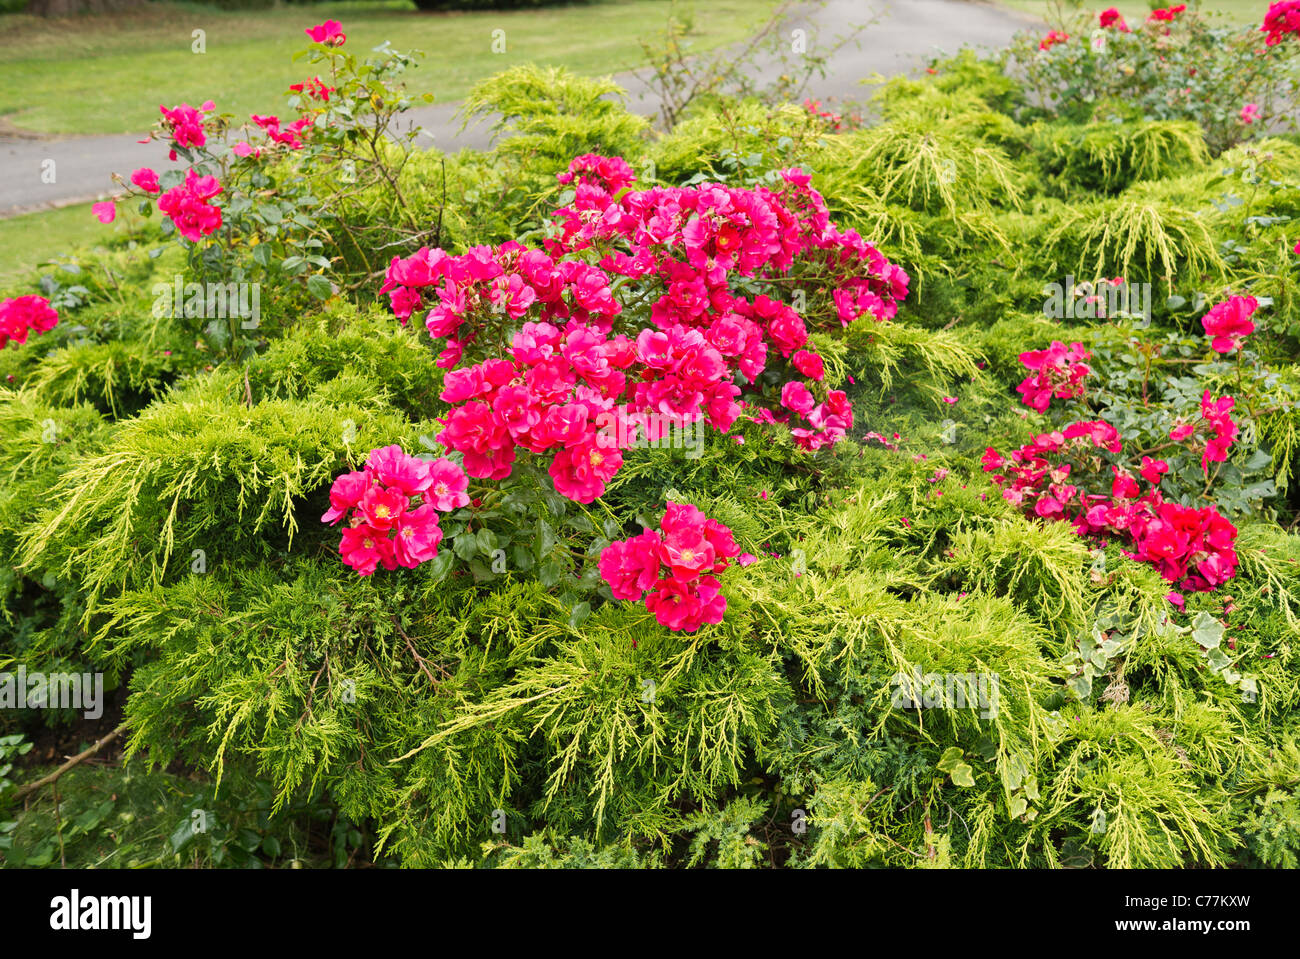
(25, 791)
(420, 660)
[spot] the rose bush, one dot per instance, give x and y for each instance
(1178, 64)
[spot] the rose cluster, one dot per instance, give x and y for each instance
(673, 568)
(1229, 323)
(678, 249)
(1058, 371)
(693, 240)
(1060, 475)
(20, 315)
(315, 89)
(1217, 426)
(1052, 39)
(1190, 547)
(508, 281)
(1166, 15)
(1281, 21)
(394, 504)
(1112, 18)
(185, 124)
(832, 120)
(291, 135)
(546, 398)
(187, 205)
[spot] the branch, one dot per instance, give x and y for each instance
(25, 791)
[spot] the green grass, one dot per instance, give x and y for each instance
(109, 74)
(1135, 11)
(32, 239)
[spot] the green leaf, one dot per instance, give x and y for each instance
(1207, 631)
(950, 759)
(580, 522)
(550, 571)
(545, 540)
(465, 545)
(183, 834)
(440, 565)
(579, 613)
(963, 775)
(319, 286)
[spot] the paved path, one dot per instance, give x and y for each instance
(905, 34)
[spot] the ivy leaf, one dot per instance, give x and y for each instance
(1207, 631)
(950, 763)
(950, 758)
(1031, 787)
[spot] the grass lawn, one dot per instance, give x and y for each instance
(28, 240)
(1135, 11)
(33, 238)
(109, 74)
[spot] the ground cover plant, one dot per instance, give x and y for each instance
(777, 489)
